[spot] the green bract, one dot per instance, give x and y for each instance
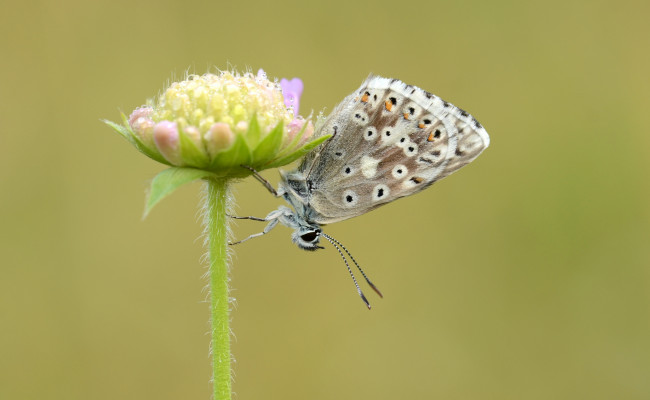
(217, 123)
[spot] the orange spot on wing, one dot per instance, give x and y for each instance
(364, 98)
(430, 138)
(389, 105)
(420, 125)
(406, 115)
(417, 179)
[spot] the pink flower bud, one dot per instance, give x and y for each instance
(142, 125)
(218, 138)
(165, 135)
(140, 112)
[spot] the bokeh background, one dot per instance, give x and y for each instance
(523, 276)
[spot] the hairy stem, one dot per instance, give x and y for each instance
(216, 226)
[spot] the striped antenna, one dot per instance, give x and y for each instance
(332, 240)
(350, 271)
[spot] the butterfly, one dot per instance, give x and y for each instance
(389, 140)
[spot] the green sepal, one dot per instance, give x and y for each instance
(190, 154)
(268, 147)
(254, 132)
(129, 135)
(168, 181)
(292, 146)
(126, 134)
(229, 160)
(298, 153)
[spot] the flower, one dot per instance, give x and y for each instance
(219, 122)
(292, 91)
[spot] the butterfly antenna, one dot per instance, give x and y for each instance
(349, 270)
(332, 240)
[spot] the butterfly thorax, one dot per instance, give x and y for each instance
(295, 189)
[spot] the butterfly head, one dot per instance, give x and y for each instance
(307, 237)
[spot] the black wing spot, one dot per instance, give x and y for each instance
(349, 198)
(436, 134)
(427, 121)
(393, 100)
(426, 160)
(380, 192)
(411, 110)
(387, 133)
(374, 97)
(459, 152)
(476, 123)
(445, 104)
(411, 148)
(347, 170)
(435, 153)
(463, 112)
(402, 140)
(338, 154)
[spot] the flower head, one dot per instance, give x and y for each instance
(218, 122)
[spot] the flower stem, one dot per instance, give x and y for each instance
(216, 226)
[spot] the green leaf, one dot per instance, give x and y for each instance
(268, 147)
(239, 153)
(298, 153)
(169, 180)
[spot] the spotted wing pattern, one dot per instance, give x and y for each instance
(390, 140)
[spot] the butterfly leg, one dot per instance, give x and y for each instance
(252, 218)
(274, 217)
(261, 179)
(266, 230)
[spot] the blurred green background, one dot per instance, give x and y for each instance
(523, 276)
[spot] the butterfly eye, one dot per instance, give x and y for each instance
(309, 236)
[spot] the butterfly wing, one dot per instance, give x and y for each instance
(390, 140)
